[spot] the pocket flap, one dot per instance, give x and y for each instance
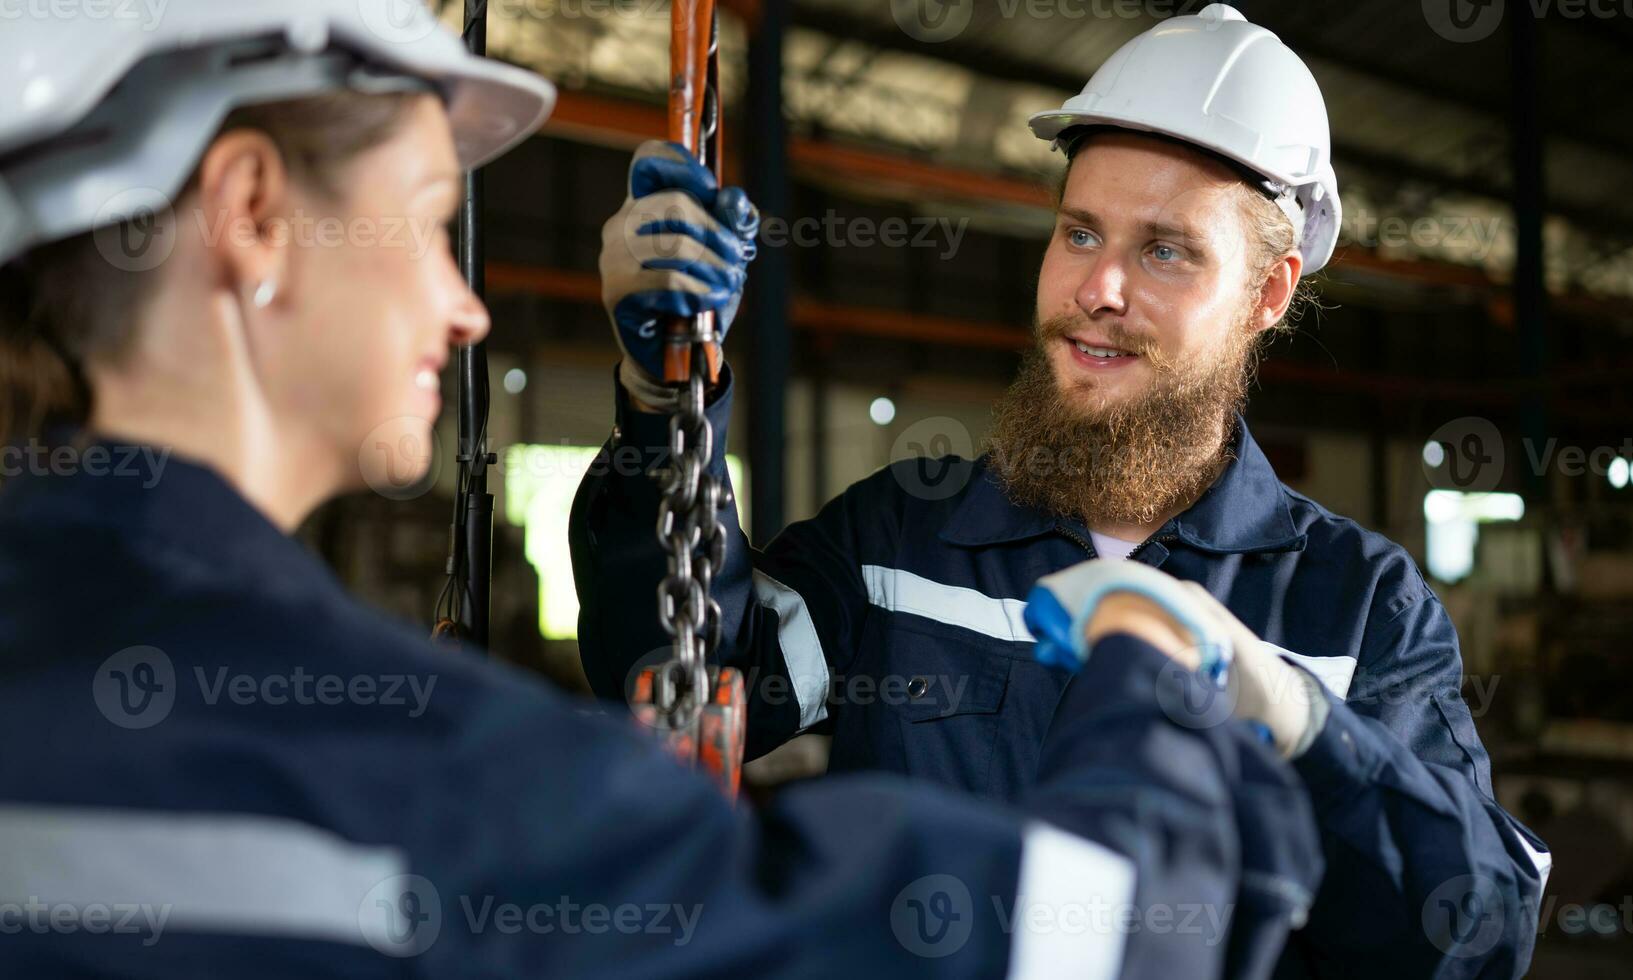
(941, 678)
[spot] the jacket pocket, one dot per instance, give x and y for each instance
(948, 695)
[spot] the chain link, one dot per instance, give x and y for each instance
(690, 530)
(689, 525)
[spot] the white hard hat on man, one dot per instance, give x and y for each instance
(1216, 81)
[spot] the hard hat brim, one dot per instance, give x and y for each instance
(492, 107)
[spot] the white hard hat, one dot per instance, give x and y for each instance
(1214, 80)
(104, 114)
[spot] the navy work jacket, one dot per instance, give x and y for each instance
(892, 620)
(216, 763)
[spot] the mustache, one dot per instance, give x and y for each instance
(1058, 327)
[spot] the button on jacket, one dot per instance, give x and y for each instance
(216, 763)
(892, 620)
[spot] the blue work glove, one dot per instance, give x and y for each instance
(1285, 704)
(678, 247)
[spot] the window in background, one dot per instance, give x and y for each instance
(540, 482)
(1454, 520)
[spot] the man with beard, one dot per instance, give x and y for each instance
(1199, 190)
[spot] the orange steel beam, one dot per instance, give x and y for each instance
(904, 173)
(624, 122)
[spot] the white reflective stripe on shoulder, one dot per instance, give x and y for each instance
(1062, 872)
(801, 647)
(900, 591)
(202, 872)
(1335, 673)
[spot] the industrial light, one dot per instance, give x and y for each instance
(1619, 472)
(882, 411)
(515, 380)
(1434, 454)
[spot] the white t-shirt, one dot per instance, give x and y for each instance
(1107, 546)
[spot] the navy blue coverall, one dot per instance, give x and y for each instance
(214, 763)
(911, 582)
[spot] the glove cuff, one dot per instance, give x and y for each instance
(646, 389)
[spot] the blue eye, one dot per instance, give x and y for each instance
(1080, 237)
(1165, 253)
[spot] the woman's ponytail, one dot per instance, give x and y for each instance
(39, 384)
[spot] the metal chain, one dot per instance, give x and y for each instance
(689, 526)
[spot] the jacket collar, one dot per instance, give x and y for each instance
(1244, 511)
(154, 499)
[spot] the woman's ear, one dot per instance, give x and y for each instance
(244, 192)
(1276, 292)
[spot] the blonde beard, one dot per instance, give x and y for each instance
(1128, 462)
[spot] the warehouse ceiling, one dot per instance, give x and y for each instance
(1420, 121)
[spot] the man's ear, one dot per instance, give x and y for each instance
(1276, 292)
(243, 187)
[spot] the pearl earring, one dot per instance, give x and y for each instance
(265, 294)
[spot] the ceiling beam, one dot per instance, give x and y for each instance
(998, 65)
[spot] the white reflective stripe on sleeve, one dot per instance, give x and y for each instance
(801, 647)
(1062, 872)
(196, 872)
(899, 591)
(1335, 673)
